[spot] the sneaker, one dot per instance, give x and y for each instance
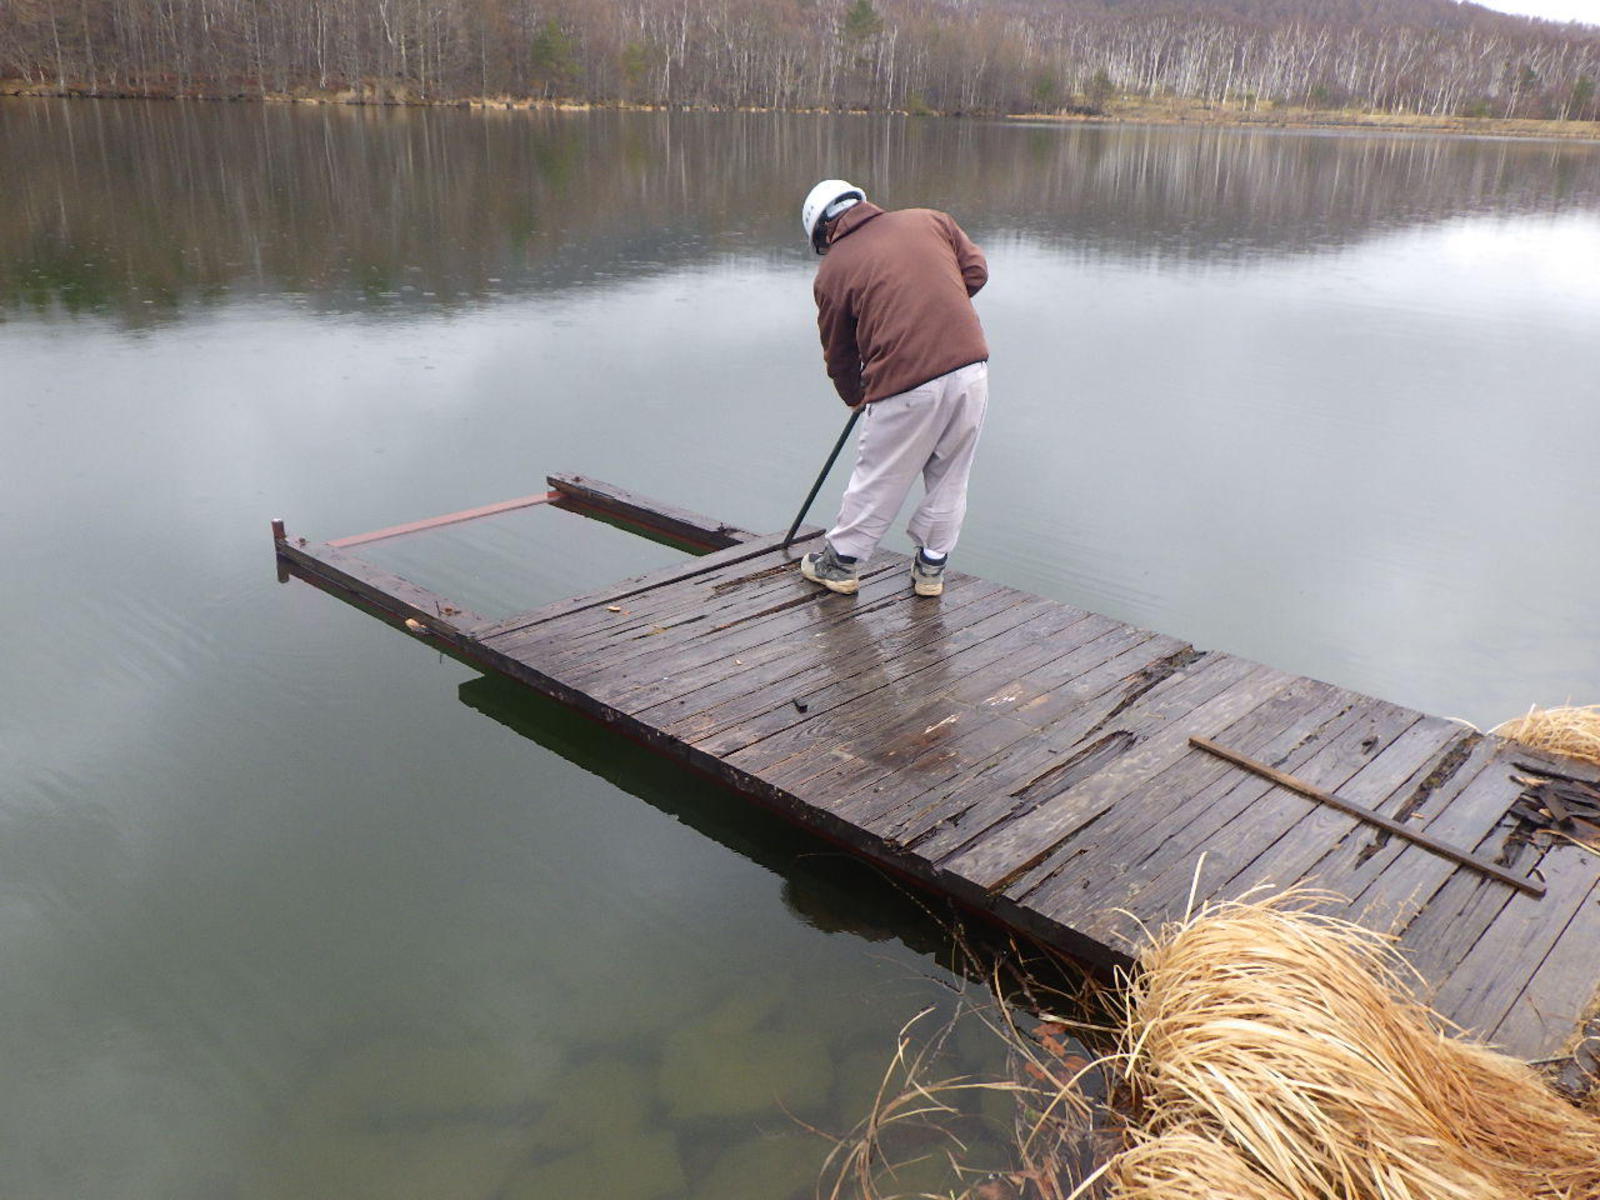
(826, 567)
(927, 578)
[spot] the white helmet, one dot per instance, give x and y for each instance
(820, 199)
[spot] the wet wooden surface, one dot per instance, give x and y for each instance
(1033, 760)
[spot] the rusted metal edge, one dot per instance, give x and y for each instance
(455, 518)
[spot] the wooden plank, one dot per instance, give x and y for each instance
(1448, 920)
(1340, 755)
(1050, 697)
(722, 621)
(1307, 843)
(1055, 874)
(1557, 766)
(1562, 991)
(1350, 867)
(1396, 897)
(502, 633)
(755, 657)
(1216, 824)
(1055, 709)
(665, 621)
(991, 693)
(1220, 690)
(818, 647)
(1350, 863)
(919, 759)
(972, 804)
(1003, 684)
(1479, 992)
(1037, 857)
(760, 731)
(679, 592)
(730, 586)
(1090, 681)
(593, 497)
(869, 783)
(384, 590)
(855, 708)
(1140, 836)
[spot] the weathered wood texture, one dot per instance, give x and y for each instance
(1034, 760)
(606, 500)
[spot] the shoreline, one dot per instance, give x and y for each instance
(1304, 120)
(1174, 113)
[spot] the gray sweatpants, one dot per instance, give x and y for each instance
(931, 431)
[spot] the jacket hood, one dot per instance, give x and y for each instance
(853, 219)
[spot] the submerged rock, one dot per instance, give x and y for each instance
(594, 1101)
(861, 1075)
(705, 1073)
(394, 1085)
(645, 1166)
(779, 1167)
(397, 1120)
(445, 1163)
(741, 1059)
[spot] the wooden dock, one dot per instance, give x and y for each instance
(1033, 760)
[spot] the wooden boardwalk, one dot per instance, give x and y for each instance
(1033, 759)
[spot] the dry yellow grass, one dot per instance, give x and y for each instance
(1267, 1052)
(1567, 729)
(1277, 1053)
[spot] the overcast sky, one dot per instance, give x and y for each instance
(1555, 10)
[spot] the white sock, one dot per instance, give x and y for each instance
(930, 557)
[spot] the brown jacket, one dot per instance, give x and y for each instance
(893, 300)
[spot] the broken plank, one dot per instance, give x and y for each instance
(1124, 848)
(1303, 845)
(1220, 690)
(983, 799)
(1473, 817)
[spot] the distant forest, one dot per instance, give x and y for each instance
(1430, 57)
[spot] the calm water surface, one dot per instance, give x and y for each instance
(292, 907)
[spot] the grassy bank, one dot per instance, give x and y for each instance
(1144, 111)
(1119, 111)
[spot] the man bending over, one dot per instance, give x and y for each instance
(900, 336)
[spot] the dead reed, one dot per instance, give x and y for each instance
(1565, 729)
(1276, 1052)
(1267, 1051)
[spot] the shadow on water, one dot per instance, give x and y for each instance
(823, 886)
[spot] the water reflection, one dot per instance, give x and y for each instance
(146, 210)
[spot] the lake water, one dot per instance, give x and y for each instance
(293, 907)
